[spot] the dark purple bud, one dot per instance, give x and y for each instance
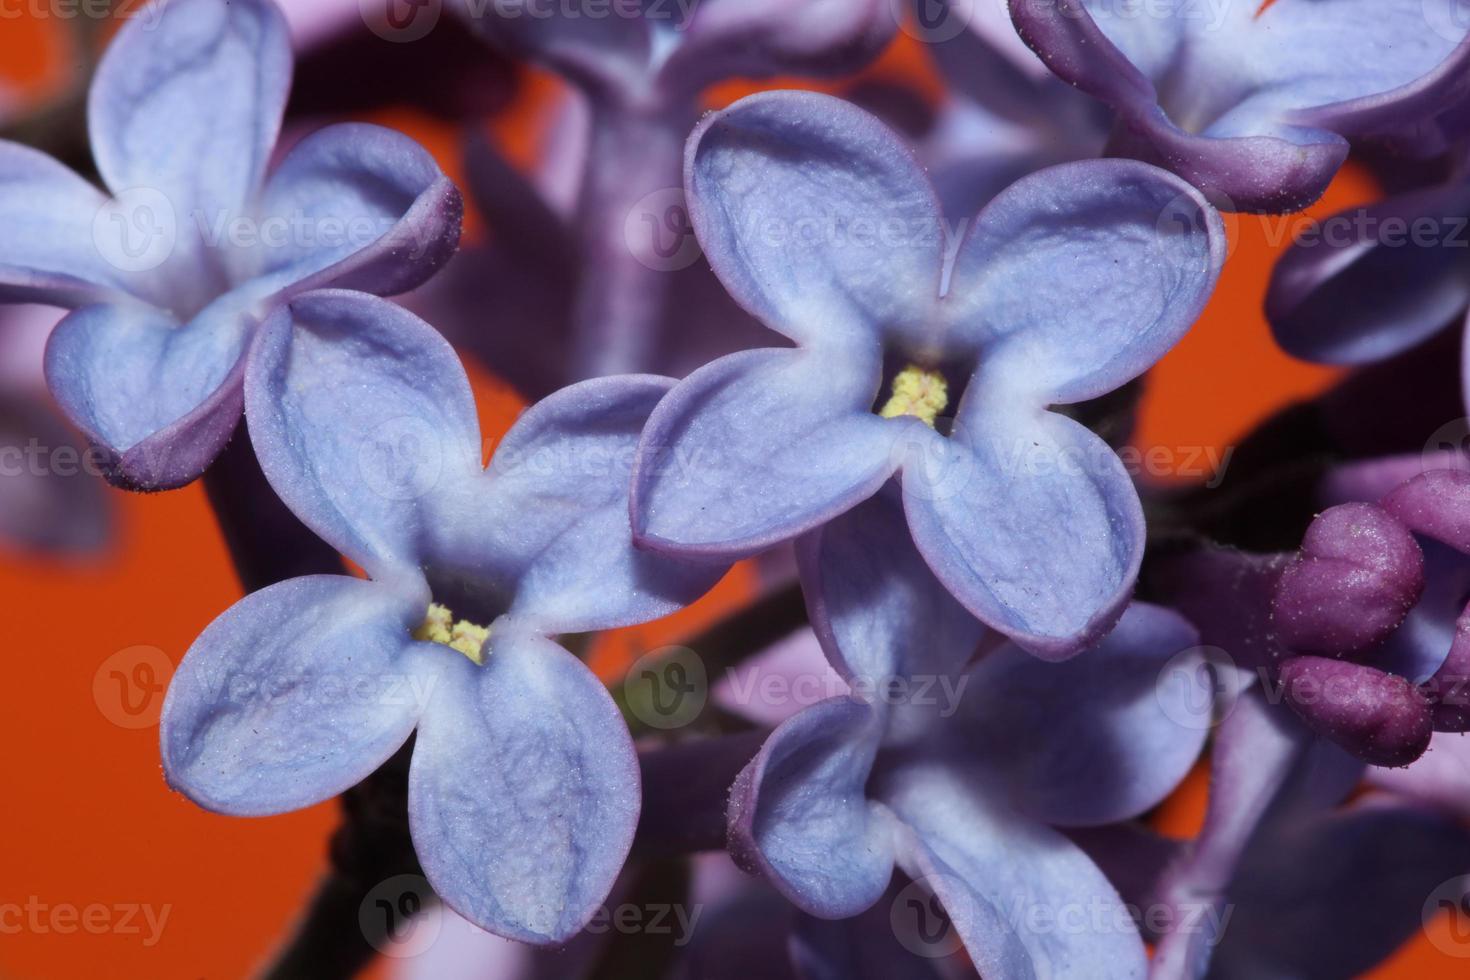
(1380, 718)
(1435, 504)
(1357, 576)
(1448, 690)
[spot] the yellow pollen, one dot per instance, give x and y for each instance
(440, 626)
(917, 392)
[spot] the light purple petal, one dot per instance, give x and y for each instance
(49, 253)
(1032, 522)
(756, 448)
(557, 508)
(356, 206)
(816, 217)
(1077, 279)
(799, 815)
(993, 870)
(523, 792)
(188, 103)
(158, 398)
(1435, 504)
(1344, 295)
(1100, 738)
(875, 606)
(363, 420)
(295, 694)
(780, 681)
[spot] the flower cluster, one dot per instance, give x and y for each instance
(889, 347)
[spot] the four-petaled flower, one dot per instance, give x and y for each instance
(170, 277)
(965, 793)
(1069, 284)
(523, 791)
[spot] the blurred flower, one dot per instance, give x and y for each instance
(523, 792)
(1004, 114)
(1283, 879)
(1254, 103)
(1069, 284)
(963, 790)
(630, 248)
(52, 498)
(170, 276)
(1371, 282)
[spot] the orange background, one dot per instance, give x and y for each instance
(88, 818)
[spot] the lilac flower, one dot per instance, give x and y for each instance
(170, 277)
(523, 791)
(1371, 282)
(1283, 880)
(1070, 283)
(963, 794)
(1254, 102)
(643, 69)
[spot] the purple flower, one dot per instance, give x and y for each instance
(1254, 102)
(959, 775)
(523, 791)
(925, 353)
(170, 277)
(1283, 880)
(1371, 282)
(643, 69)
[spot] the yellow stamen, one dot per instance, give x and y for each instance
(917, 392)
(440, 626)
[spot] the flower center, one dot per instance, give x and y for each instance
(440, 626)
(918, 392)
